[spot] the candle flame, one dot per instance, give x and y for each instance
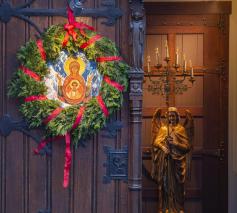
(148, 59)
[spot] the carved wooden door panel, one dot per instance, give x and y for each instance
(203, 36)
(33, 184)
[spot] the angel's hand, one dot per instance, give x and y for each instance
(169, 140)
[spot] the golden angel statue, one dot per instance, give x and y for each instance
(171, 158)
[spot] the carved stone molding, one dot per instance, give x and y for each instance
(136, 82)
(137, 33)
(136, 75)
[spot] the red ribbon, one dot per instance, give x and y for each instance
(41, 49)
(68, 160)
(79, 117)
(78, 25)
(70, 32)
(113, 83)
(36, 98)
(53, 115)
(72, 25)
(41, 145)
(68, 154)
(30, 73)
(109, 58)
(90, 41)
(102, 106)
(44, 142)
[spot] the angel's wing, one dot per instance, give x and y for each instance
(156, 123)
(189, 127)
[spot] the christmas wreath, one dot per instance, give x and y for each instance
(69, 82)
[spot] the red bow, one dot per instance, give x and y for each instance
(70, 32)
(70, 27)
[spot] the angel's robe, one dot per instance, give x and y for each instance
(169, 166)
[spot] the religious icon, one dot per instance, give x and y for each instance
(74, 87)
(72, 79)
(171, 157)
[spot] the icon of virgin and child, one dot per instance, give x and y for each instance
(72, 82)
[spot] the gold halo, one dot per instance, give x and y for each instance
(79, 60)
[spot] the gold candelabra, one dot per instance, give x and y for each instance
(171, 77)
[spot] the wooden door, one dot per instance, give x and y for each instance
(32, 184)
(200, 30)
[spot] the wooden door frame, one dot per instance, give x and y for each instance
(136, 75)
(223, 9)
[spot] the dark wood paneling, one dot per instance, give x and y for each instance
(104, 200)
(215, 169)
(37, 168)
(190, 8)
(30, 183)
(14, 178)
(2, 111)
(122, 35)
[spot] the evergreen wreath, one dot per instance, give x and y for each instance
(81, 120)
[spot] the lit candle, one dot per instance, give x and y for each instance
(167, 49)
(190, 63)
(192, 74)
(184, 62)
(148, 63)
(177, 57)
(191, 66)
(157, 56)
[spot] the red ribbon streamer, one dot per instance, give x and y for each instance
(102, 106)
(44, 142)
(90, 41)
(30, 73)
(72, 25)
(41, 49)
(53, 115)
(113, 83)
(78, 118)
(36, 98)
(68, 154)
(109, 58)
(68, 160)
(41, 145)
